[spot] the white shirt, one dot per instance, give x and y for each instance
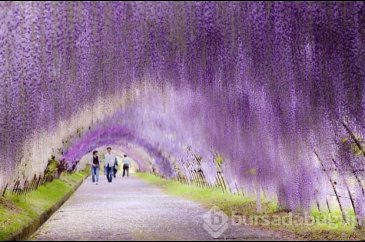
(110, 160)
(126, 161)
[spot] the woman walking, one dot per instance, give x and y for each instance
(95, 168)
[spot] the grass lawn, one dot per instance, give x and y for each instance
(18, 211)
(244, 208)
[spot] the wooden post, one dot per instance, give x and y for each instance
(318, 207)
(4, 191)
(193, 177)
(222, 180)
(348, 191)
(191, 172)
(197, 174)
(202, 179)
(186, 181)
(328, 206)
(32, 185)
(333, 186)
(353, 137)
(39, 182)
(219, 184)
(196, 178)
(227, 187)
(15, 189)
(26, 186)
(44, 180)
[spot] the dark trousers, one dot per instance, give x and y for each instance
(125, 170)
(115, 172)
(109, 173)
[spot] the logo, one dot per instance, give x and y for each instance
(215, 222)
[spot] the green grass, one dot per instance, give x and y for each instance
(208, 197)
(18, 211)
(246, 206)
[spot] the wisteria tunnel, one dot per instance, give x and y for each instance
(257, 96)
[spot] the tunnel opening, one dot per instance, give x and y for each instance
(85, 161)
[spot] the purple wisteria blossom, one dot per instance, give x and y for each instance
(276, 89)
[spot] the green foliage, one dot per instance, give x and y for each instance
(246, 206)
(208, 197)
(18, 211)
(52, 168)
(219, 160)
(356, 148)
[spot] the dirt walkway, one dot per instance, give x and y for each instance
(130, 209)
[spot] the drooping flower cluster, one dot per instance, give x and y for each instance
(265, 85)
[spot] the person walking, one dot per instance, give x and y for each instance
(116, 167)
(126, 165)
(109, 164)
(95, 167)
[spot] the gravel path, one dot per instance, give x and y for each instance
(130, 209)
